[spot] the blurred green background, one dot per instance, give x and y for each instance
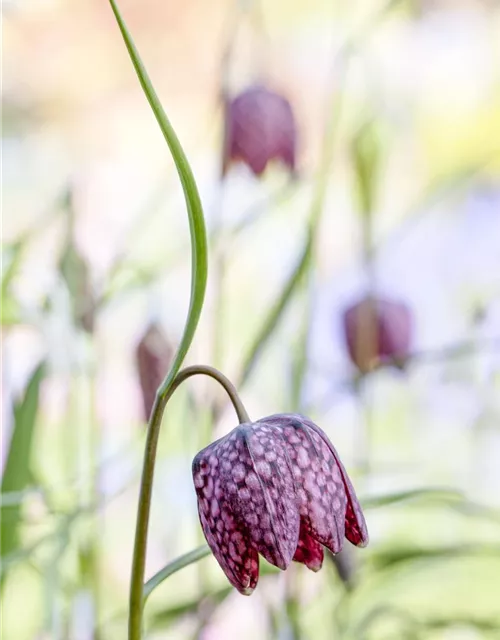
(397, 194)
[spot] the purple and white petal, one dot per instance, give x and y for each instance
(230, 544)
(309, 551)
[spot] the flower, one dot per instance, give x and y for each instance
(153, 356)
(259, 127)
(376, 329)
(274, 487)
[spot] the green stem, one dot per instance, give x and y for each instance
(142, 523)
(174, 566)
(198, 287)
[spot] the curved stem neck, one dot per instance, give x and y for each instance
(211, 372)
(136, 600)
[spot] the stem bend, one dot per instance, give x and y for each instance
(136, 600)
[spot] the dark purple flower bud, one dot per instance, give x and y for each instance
(153, 357)
(259, 127)
(378, 329)
(274, 487)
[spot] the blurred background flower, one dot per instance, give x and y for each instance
(377, 330)
(396, 137)
(259, 127)
(153, 357)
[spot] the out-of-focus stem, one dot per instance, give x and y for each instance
(292, 603)
(368, 339)
(333, 114)
(97, 523)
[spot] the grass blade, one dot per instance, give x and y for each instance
(443, 493)
(17, 472)
(304, 263)
(387, 558)
(178, 564)
(166, 617)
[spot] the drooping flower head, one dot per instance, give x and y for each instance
(376, 329)
(274, 487)
(259, 127)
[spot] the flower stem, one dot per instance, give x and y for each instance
(143, 510)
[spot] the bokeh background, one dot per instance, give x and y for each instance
(95, 289)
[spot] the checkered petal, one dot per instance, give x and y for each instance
(309, 551)
(274, 487)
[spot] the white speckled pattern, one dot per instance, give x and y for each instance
(274, 487)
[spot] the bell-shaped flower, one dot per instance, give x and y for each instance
(378, 330)
(153, 357)
(274, 487)
(259, 127)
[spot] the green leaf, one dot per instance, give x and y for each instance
(195, 212)
(75, 273)
(11, 257)
(371, 502)
(169, 615)
(174, 566)
(10, 312)
(433, 496)
(484, 625)
(17, 472)
(388, 558)
(409, 626)
(184, 561)
(404, 621)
